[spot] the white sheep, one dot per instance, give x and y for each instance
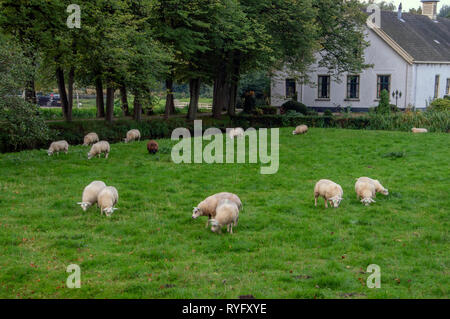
(227, 213)
(236, 132)
(378, 187)
(301, 129)
(58, 146)
(90, 194)
(106, 200)
(208, 206)
(419, 130)
(133, 135)
(366, 191)
(330, 191)
(99, 148)
(90, 139)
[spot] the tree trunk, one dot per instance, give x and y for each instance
(70, 91)
(30, 92)
(137, 105)
(124, 99)
(170, 104)
(99, 97)
(235, 75)
(63, 93)
(194, 92)
(221, 93)
(109, 103)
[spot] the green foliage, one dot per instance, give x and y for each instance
(296, 106)
(249, 103)
(19, 120)
(383, 105)
(328, 112)
(440, 105)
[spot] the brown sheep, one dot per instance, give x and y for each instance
(152, 147)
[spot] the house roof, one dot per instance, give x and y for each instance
(422, 38)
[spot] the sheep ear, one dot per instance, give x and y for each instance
(79, 203)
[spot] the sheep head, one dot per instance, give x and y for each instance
(109, 211)
(84, 205)
(196, 212)
(214, 225)
(336, 200)
(384, 191)
(367, 201)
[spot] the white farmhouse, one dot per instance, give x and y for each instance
(410, 56)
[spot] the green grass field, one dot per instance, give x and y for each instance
(283, 247)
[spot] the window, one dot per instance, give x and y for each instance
(290, 88)
(353, 87)
(383, 83)
(324, 87)
(448, 87)
(436, 86)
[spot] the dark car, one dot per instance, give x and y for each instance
(49, 100)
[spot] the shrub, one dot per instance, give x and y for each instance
(294, 106)
(440, 105)
(269, 110)
(327, 112)
(249, 103)
(383, 105)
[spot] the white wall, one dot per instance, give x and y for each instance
(425, 80)
(385, 60)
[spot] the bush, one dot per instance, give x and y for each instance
(440, 105)
(327, 113)
(383, 105)
(249, 103)
(294, 106)
(269, 110)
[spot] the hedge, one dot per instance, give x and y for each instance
(74, 131)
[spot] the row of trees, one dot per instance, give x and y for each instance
(130, 45)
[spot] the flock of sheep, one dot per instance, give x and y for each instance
(100, 147)
(222, 209)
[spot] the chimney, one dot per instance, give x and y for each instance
(429, 8)
(399, 13)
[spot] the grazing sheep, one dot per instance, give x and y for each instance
(106, 200)
(90, 139)
(208, 206)
(366, 191)
(301, 129)
(419, 130)
(378, 187)
(152, 147)
(58, 146)
(90, 194)
(330, 191)
(133, 135)
(236, 132)
(227, 213)
(99, 148)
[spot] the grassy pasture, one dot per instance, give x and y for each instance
(283, 247)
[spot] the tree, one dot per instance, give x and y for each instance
(416, 11)
(445, 11)
(20, 120)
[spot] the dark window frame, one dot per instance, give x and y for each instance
(379, 83)
(355, 90)
(290, 93)
(320, 89)
(437, 80)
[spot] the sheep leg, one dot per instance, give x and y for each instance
(326, 203)
(231, 229)
(106, 155)
(315, 201)
(207, 223)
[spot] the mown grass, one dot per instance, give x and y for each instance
(283, 247)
